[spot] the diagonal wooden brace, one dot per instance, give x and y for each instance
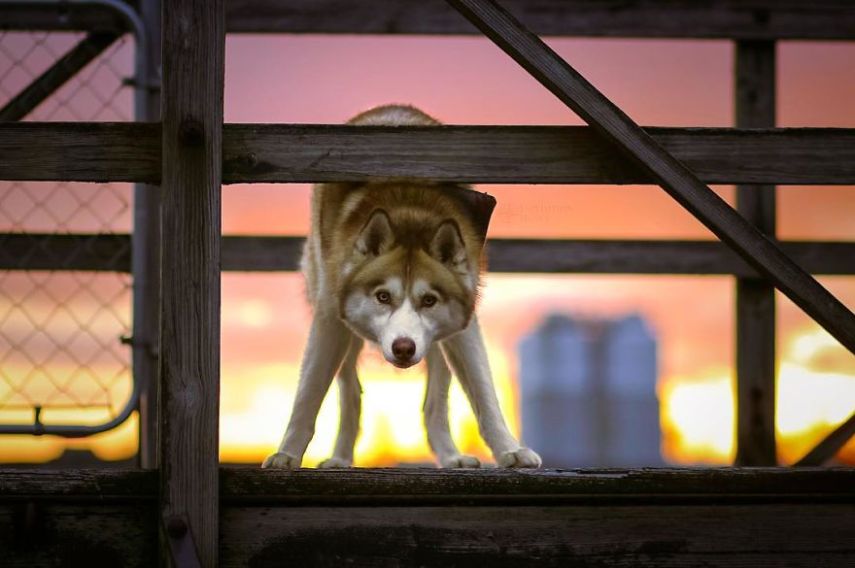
(577, 93)
(86, 51)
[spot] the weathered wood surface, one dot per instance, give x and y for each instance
(85, 151)
(82, 484)
(662, 517)
(431, 486)
(55, 533)
(38, 251)
(758, 19)
(78, 57)
(712, 535)
(824, 19)
(59, 16)
(192, 110)
(755, 74)
(680, 182)
(473, 154)
(241, 485)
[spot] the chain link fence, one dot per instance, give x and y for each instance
(62, 361)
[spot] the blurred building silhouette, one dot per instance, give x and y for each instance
(589, 392)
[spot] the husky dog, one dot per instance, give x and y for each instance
(396, 264)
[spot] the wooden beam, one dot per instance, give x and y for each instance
(61, 16)
(520, 154)
(578, 94)
(66, 67)
(192, 110)
(87, 151)
(830, 445)
(754, 67)
(670, 517)
(101, 152)
(242, 486)
(722, 19)
(112, 253)
(758, 19)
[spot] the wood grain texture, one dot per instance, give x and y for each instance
(40, 251)
(755, 76)
(758, 19)
(243, 486)
(603, 536)
(192, 110)
(85, 151)
(579, 95)
(61, 16)
(607, 517)
(474, 154)
(527, 154)
(55, 533)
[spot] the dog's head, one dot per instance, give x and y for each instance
(406, 288)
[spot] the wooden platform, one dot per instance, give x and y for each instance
(427, 517)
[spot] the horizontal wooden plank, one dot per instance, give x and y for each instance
(100, 152)
(62, 16)
(603, 536)
(244, 485)
(84, 151)
(37, 251)
(429, 517)
(528, 154)
(80, 484)
(38, 533)
(47, 251)
(361, 486)
(758, 19)
(768, 19)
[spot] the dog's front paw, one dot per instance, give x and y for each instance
(461, 461)
(521, 458)
(281, 460)
(334, 462)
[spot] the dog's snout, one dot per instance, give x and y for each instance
(403, 349)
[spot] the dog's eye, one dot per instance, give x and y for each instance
(383, 297)
(428, 300)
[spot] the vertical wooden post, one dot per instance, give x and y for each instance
(146, 254)
(755, 298)
(192, 110)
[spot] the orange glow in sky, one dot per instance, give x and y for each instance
(469, 81)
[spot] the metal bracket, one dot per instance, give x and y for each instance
(182, 549)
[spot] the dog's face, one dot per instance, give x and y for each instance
(404, 295)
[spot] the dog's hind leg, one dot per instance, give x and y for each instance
(436, 413)
(467, 355)
(349, 398)
(328, 343)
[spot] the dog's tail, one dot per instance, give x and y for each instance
(393, 115)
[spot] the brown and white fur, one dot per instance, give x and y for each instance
(397, 264)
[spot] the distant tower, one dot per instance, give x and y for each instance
(589, 393)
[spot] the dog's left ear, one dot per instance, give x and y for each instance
(447, 246)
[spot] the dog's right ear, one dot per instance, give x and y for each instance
(376, 236)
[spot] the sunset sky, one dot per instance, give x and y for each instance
(328, 79)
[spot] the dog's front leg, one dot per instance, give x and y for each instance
(436, 413)
(327, 345)
(467, 355)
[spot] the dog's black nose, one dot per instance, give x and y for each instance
(403, 348)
